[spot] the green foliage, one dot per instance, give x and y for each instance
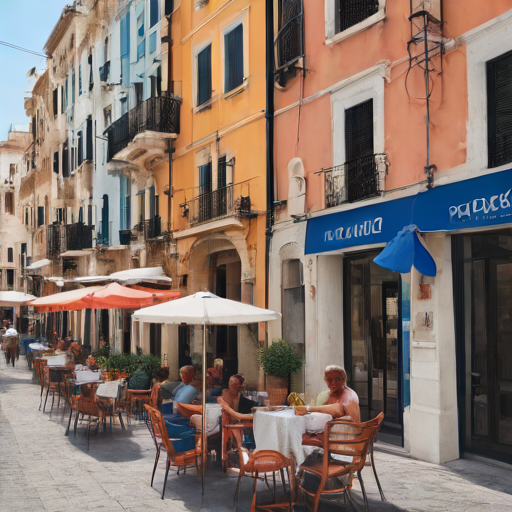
(279, 359)
(140, 380)
(102, 352)
(129, 363)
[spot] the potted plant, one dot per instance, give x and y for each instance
(278, 361)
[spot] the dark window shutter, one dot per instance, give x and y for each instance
(153, 13)
(359, 131)
(80, 149)
(221, 172)
(204, 75)
(10, 255)
(104, 220)
(62, 100)
(169, 7)
(499, 110)
(351, 12)
(205, 178)
(40, 216)
(234, 58)
(89, 214)
(55, 102)
(89, 148)
(56, 162)
(65, 161)
(34, 126)
(361, 177)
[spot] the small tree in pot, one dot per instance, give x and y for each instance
(278, 361)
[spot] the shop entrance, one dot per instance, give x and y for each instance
(373, 355)
(487, 327)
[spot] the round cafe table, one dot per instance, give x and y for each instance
(282, 431)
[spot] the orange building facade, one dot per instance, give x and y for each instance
(360, 153)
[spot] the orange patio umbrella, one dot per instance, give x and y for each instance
(64, 301)
(116, 296)
(160, 295)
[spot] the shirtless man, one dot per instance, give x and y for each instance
(342, 402)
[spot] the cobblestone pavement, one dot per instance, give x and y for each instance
(42, 470)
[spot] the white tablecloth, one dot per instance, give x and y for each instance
(282, 431)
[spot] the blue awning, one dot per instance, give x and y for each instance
(405, 251)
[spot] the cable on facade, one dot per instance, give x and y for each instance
(23, 49)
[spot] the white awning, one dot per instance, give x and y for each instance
(10, 299)
(91, 279)
(138, 272)
(38, 264)
(75, 254)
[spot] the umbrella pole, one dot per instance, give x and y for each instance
(203, 423)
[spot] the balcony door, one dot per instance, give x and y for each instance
(205, 192)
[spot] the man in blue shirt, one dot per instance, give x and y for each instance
(184, 393)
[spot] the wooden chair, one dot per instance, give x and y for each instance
(317, 439)
(340, 438)
(179, 460)
(228, 424)
(261, 463)
(39, 364)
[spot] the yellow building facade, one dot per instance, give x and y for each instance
(218, 170)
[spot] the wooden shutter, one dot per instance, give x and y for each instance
(234, 58)
(56, 162)
(65, 160)
(499, 110)
(89, 135)
(40, 216)
(204, 75)
(55, 102)
(221, 172)
(205, 178)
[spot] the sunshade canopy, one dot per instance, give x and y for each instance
(38, 264)
(406, 250)
(204, 308)
(116, 296)
(160, 295)
(10, 299)
(69, 301)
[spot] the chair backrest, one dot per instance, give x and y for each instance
(155, 393)
(266, 461)
(347, 439)
(376, 422)
(159, 428)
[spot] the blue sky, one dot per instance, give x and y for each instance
(25, 23)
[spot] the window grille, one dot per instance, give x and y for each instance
(351, 12)
(499, 110)
(289, 42)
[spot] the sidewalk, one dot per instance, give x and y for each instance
(42, 470)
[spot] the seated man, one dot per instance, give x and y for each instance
(234, 402)
(77, 354)
(339, 401)
(183, 393)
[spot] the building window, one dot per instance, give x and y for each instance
(65, 160)
(107, 116)
(10, 278)
(56, 162)
(62, 100)
(153, 13)
(9, 203)
(89, 142)
(289, 42)
(141, 42)
(40, 216)
(80, 80)
(125, 49)
(499, 114)
(55, 102)
(169, 7)
(234, 58)
(27, 216)
(80, 148)
(204, 75)
(12, 172)
(10, 255)
(351, 12)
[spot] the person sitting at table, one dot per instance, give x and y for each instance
(77, 354)
(232, 400)
(183, 393)
(339, 401)
(214, 378)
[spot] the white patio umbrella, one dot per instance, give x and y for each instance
(11, 299)
(204, 308)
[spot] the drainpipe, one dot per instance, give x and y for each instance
(269, 116)
(169, 198)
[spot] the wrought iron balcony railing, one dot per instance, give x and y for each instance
(223, 202)
(289, 43)
(152, 228)
(72, 237)
(355, 180)
(160, 114)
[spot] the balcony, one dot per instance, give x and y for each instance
(105, 72)
(72, 237)
(151, 228)
(355, 180)
(223, 202)
(160, 115)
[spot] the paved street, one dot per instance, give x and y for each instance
(42, 470)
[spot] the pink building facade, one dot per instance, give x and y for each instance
(389, 114)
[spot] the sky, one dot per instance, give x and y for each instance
(25, 23)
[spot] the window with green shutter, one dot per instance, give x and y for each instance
(204, 75)
(234, 58)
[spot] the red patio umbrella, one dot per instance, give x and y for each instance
(160, 295)
(116, 296)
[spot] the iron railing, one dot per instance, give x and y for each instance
(152, 228)
(351, 12)
(160, 114)
(227, 201)
(355, 180)
(72, 237)
(289, 43)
